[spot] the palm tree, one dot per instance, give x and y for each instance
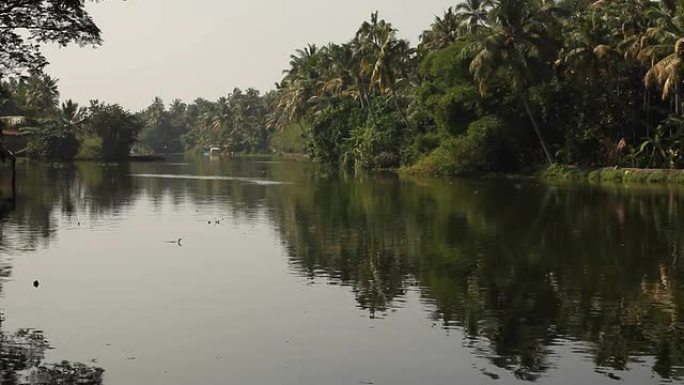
(220, 120)
(518, 43)
(40, 94)
(663, 49)
(443, 32)
(473, 14)
(384, 59)
(71, 114)
(588, 52)
(300, 82)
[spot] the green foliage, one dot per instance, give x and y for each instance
(91, 148)
(377, 144)
(163, 129)
(587, 86)
(239, 122)
(665, 148)
(115, 127)
(290, 139)
(53, 141)
(330, 132)
(474, 152)
(447, 92)
(658, 177)
(26, 25)
(557, 173)
(636, 177)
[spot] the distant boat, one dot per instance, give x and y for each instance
(211, 151)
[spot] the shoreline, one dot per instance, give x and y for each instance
(612, 175)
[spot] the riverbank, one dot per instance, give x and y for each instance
(613, 175)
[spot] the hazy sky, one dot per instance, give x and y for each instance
(204, 48)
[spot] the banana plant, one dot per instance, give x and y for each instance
(665, 147)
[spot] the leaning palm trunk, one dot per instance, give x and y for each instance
(549, 158)
(401, 111)
(397, 106)
(369, 104)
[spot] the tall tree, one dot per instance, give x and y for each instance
(26, 24)
(443, 32)
(519, 45)
(385, 59)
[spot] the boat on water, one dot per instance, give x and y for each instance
(211, 151)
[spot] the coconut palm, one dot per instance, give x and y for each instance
(384, 59)
(588, 52)
(663, 48)
(443, 32)
(472, 15)
(40, 94)
(519, 45)
(300, 82)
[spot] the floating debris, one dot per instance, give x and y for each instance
(36, 283)
(178, 242)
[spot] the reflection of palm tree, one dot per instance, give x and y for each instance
(517, 296)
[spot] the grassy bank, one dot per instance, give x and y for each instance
(613, 175)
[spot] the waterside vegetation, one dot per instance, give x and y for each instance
(492, 86)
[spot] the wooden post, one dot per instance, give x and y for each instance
(14, 178)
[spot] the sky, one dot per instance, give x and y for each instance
(185, 49)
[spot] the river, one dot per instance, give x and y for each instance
(259, 271)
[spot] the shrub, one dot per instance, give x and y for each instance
(658, 177)
(91, 148)
(635, 176)
(465, 154)
(52, 141)
(291, 139)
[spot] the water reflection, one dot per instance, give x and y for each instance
(524, 266)
(520, 268)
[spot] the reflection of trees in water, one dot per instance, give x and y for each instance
(46, 192)
(21, 362)
(27, 224)
(523, 266)
(518, 268)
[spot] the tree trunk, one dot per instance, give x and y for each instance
(549, 158)
(369, 104)
(397, 106)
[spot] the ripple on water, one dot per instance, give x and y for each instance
(211, 177)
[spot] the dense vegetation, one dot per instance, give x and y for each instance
(53, 132)
(493, 85)
(29, 99)
(499, 85)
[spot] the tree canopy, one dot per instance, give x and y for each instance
(25, 25)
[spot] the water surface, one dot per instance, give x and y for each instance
(286, 275)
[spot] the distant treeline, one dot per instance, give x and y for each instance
(501, 85)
